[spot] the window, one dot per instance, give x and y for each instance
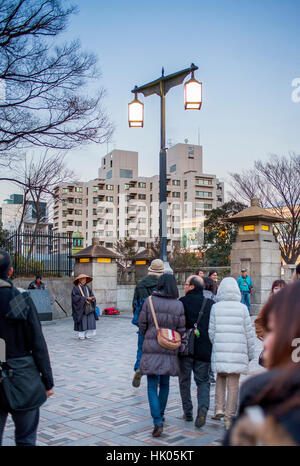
(201, 181)
(109, 210)
(151, 197)
(64, 202)
(64, 224)
(185, 196)
(109, 222)
(150, 186)
(86, 225)
(111, 163)
(109, 245)
(207, 206)
(64, 213)
(176, 182)
(175, 194)
(176, 231)
(142, 196)
(142, 220)
(124, 173)
(109, 233)
(191, 152)
(65, 190)
(78, 223)
(78, 189)
(55, 225)
(78, 200)
(95, 188)
(173, 168)
(110, 187)
(95, 223)
(176, 206)
(95, 200)
(109, 199)
(219, 198)
(78, 212)
(203, 194)
(185, 183)
(109, 175)
(127, 186)
(142, 208)
(94, 211)
(142, 185)
(141, 244)
(176, 219)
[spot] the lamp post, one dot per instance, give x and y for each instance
(192, 101)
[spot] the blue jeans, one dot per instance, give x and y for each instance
(26, 424)
(246, 299)
(158, 402)
(139, 350)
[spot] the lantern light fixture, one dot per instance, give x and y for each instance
(136, 113)
(192, 94)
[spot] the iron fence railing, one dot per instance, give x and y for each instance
(45, 253)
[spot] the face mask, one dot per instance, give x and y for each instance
(276, 290)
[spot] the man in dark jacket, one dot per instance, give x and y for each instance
(199, 364)
(23, 337)
(37, 284)
(143, 289)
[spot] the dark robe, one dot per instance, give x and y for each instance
(82, 322)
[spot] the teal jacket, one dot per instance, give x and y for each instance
(245, 284)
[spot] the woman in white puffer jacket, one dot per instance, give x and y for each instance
(232, 336)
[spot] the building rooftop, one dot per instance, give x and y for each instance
(254, 212)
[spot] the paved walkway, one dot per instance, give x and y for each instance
(94, 402)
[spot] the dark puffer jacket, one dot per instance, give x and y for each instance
(157, 360)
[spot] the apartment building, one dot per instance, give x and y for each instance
(119, 203)
(12, 210)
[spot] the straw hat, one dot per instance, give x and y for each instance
(82, 275)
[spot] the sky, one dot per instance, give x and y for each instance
(248, 56)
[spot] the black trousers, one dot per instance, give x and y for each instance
(201, 376)
(26, 424)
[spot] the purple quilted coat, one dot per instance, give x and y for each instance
(170, 314)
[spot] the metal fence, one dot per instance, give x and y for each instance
(45, 253)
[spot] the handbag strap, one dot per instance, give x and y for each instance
(153, 313)
(201, 311)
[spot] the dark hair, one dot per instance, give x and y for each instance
(167, 286)
(5, 264)
(261, 321)
(196, 281)
(210, 285)
(298, 269)
(197, 271)
(38, 277)
(212, 272)
(276, 283)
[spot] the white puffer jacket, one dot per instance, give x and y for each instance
(230, 331)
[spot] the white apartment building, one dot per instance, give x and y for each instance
(120, 204)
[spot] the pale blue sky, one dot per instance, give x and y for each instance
(247, 53)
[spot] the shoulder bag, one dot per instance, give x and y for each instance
(192, 334)
(89, 305)
(167, 338)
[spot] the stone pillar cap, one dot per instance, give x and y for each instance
(254, 202)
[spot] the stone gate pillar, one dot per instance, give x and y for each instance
(256, 250)
(100, 263)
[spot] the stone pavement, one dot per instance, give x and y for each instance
(94, 401)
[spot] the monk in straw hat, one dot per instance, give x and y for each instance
(83, 307)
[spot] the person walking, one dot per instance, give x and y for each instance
(245, 286)
(84, 308)
(269, 409)
(37, 284)
(143, 289)
(232, 336)
(26, 357)
(159, 363)
(198, 364)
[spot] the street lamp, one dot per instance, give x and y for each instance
(136, 113)
(192, 100)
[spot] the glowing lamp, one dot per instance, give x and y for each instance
(136, 113)
(192, 94)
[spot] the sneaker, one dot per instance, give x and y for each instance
(227, 424)
(201, 416)
(188, 417)
(157, 431)
(136, 381)
(81, 338)
(218, 416)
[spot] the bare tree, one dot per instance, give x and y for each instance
(44, 100)
(277, 185)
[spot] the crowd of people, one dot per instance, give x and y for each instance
(216, 321)
(205, 333)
